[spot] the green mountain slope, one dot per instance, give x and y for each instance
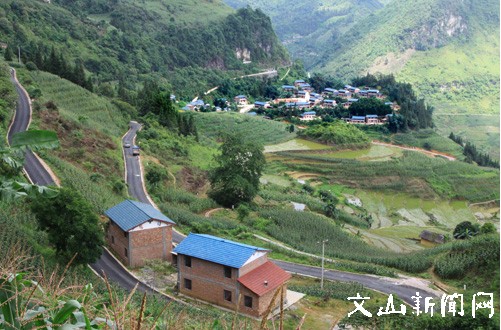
(127, 39)
(310, 27)
(449, 50)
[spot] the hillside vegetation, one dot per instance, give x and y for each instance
(311, 25)
(121, 39)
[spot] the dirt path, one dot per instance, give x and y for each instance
(432, 153)
(208, 213)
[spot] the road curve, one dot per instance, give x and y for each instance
(34, 170)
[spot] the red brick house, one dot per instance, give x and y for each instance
(138, 232)
(226, 273)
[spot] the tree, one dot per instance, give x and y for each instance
(465, 230)
(9, 55)
(240, 164)
(488, 228)
(71, 224)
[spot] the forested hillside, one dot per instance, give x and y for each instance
(121, 41)
(311, 27)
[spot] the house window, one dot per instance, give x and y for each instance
(227, 295)
(126, 252)
(187, 261)
(248, 301)
(112, 239)
(187, 284)
(125, 234)
(227, 272)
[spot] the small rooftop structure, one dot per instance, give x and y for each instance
(130, 214)
(217, 250)
(431, 237)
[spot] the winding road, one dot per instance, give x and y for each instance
(404, 287)
(34, 169)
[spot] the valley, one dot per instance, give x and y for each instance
(354, 174)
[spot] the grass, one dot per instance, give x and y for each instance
(263, 131)
(296, 144)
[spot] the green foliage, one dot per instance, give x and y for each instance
(8, 55)
(464, 258)
(240, 164)
(465, 230)
(414, 173)
(123, 41)
(71, 224)
(338, 133)
(488, 228)
(210, 125)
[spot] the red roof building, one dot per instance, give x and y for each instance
(228, 274)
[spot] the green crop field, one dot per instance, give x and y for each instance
(80, 105)
(414, 173)
(260, 130)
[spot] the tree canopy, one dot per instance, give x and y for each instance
(240, 164)
(72, 226)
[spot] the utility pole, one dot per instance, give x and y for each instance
(323, 257)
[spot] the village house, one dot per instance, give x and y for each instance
(240, 100)
(330, 92)
(288, 88)
(356, 120)
(429, 238)
(138, 232)
(329, 103)
(309, 115)
(300, 105)
(195, 105)
(299, 82)
(347, 104)
(351, 89)
(374, 93)
(344, 94)
(372, 120)
(394, 106)
(306, 87)
(227, 273)
(260, 104)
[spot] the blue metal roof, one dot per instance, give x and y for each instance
(373, 91)
(329, 101)
(240, 97)
(353, 100)
(309, 113)
(252, 113)
(357, 118)
(260, 103)
(130, 214)
(215, 249)
(371, 116)
(287, 87)
(388, 103)
(330, 90)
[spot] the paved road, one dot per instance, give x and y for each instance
(385, 285)
(34, 169)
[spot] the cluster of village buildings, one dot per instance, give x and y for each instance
(303, 97)
(231, 275)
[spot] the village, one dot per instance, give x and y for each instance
(302, 97)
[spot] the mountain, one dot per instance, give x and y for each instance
(310, 27)
(177, 41)
(448, 50)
